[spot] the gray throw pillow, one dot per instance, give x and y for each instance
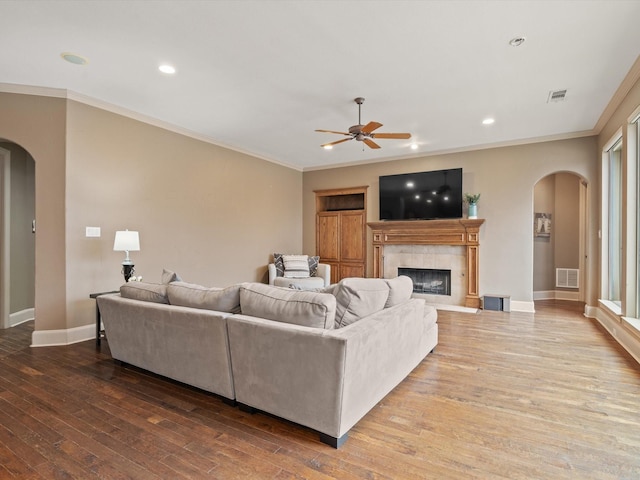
(279, 263)
(169, 276)
(359, 297)
(400, 290)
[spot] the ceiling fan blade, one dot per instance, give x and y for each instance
(370, 127)
(391, 135)
(371, 143)
(333, 131)
(336, 142)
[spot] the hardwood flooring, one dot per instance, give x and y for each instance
(504, 396)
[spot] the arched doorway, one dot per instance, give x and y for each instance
(17, 235)
(559, 229)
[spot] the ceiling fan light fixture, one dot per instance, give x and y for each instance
(328, 147)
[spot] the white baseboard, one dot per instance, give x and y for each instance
(22, 316)
(617, 329)
(520, 306)
(556, 295)
(54, 338)
(453, 308)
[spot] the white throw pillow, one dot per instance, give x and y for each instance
(296, 266)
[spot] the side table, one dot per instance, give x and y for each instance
(98, 319)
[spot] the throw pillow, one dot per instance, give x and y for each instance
(146, 292)
(313, 265)
(279, 304)
(296, 266)
(400, 290)
(279, 263)
(197, 296)
(169, 276)
(359, 297)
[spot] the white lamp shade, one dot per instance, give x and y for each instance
(126, 241)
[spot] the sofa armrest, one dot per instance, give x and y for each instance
(324, 271)
(272, 273)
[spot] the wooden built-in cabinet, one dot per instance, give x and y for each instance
(341, 223)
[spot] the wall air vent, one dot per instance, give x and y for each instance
(567, 277)
(556, 96)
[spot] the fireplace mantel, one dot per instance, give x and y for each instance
(460, 231)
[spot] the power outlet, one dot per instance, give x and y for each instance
(92, 232)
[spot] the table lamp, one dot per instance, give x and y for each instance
(127, 241)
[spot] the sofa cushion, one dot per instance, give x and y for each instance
(309, 309)
(400, 290)
(169, 276)
(197, 296)
(147, 292)
(358, 297)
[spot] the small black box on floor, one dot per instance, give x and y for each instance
(500, 303)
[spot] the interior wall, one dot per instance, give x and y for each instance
(505, 177)
(22, 239)
(213, 215)
(37, 124)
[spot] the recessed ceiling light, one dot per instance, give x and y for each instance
(414, 146)
(73, 58)
(517, 41)
(168, 69)
(488, 121)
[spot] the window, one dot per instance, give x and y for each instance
(614, 230)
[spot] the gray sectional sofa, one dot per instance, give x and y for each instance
(320, 359)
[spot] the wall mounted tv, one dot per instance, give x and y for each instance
(421, 196)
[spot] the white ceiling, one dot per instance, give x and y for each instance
(261, 76)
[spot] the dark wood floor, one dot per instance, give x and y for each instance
(513, 396)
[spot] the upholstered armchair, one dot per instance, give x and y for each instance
(321, 279)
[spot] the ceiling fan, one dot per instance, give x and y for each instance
(363, 133)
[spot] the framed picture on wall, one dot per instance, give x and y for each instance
(542, 225)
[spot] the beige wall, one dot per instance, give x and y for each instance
(505, 177)
(38, 125)
(212, 214)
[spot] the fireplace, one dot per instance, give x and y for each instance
(429, 280)
(436, 244)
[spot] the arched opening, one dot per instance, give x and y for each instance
(559, 229)
(17, 235)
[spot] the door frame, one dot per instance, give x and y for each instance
(5, 236)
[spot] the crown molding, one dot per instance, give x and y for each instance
(125, 112)
(623, 90)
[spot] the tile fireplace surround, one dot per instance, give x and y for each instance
(456, 232)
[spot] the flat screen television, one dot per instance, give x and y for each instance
(422, 195)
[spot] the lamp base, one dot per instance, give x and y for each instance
(128, 270)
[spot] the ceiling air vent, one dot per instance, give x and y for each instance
(556, 96)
